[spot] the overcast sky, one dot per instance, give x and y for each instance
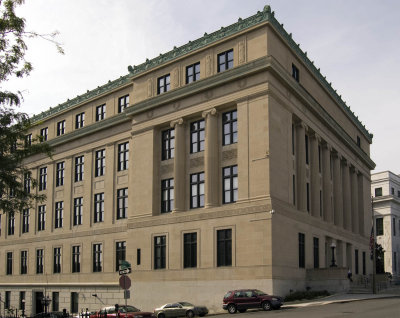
(355, 43)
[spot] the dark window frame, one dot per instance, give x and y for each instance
(225, 61)
(163, 84)
(97, 257)
(123, 156)
(98, 212)
(224, 247)
(61, 127)
(60, 173)
(192, 73)
(25, 220)
(24, 262)
(120, 254)
(190, 250)
(56, 260)
(197, 136)
(230, 175)
(78, 209)
(58, 214)
(123, 102)
(295, 73)
(44, 134)
(197, 191)
(160, 247)
(76, 259)
(229, 128)
(100, 163)
(42, 178)
(302, 250)
(39, 261)
(11, 223)
(168, 144)
(9, 263)
(316, 251)
(122, 203)
(79, 168)
(101, 112)
(167, 195)
(80, 120)
(378, 192)
(379, 226)
(41, 218)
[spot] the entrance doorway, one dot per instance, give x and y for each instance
(38, 302)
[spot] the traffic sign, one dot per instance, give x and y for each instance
(124, 282)
(125, 271)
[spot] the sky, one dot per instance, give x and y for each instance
(355, 43)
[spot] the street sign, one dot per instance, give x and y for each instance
(124, 282)
(125, 271)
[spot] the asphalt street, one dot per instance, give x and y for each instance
(371, 308)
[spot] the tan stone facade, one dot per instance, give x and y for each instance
(243, 177)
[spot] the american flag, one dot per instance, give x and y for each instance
(371, 242)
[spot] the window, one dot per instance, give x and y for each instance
(356, 261)
(395, 262)
(79, 162)
(224, 247)
(57, 260)
(61, 128)
(123, 156)
(229, 123)
(392, 191)
(364, 270)
(302, 252)
(25, 221)
(197, 135)
(159, 252)
(22, 300)
(78, 206)
(98, 207)
(97, 257)
(123, 102)
(11, 223)
(398, 193)
(168, 144)
(120, 254)
(42, 178)
(100, 163)
(28, 140)
(27, 182)
(41, 217)
(225, 61)
(138, 256)
(24, 262)
(307, 150)
(378, 192)
(295, 73)
(294, 189)
(59, 211)
(9, 263)
(79, 120)
(192, 73)
(100, 112)
(230, 184)
(43, 134)
(60, 167)
(379, 226)
(308, 196)
(394, 227)
(163, 84)
(74, 302)
(190, 250)
(167, 193)
(76, 259)
(7, 299)
(122, 203)
(320, 203)
(39, 261)
(197, 190)
(316, 252)
(55, 301)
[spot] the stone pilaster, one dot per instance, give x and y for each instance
(354, 201)
(301, 166)
(337, 190)
(314, 173)
(211, 158)
(326, 183)
(346, 195)
(179, 165)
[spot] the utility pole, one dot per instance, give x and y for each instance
(373, 249)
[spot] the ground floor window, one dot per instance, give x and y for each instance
(302, 251)
(224, 247)
(74, 302)
(159, 252)
(55, 301)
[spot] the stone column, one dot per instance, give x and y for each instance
(314, 172)
(211, 159)
(326, 183)
(301, 167)
(337, 190)
(361, 211)
(354, 201)
(346, 195)
(179, 165)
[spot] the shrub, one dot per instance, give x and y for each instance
(299, 295)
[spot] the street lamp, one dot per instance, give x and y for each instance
(46, 302)
(333, 245)
(23, 307)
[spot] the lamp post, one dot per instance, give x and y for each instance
(46, 302)
(23, 307)
(333, 246)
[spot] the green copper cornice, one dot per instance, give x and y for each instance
(100, 90)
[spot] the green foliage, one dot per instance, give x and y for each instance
(380, 258)
(14, 196)
(300, 295)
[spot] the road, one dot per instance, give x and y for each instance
(372, 308)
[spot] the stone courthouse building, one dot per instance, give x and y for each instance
(229, 162)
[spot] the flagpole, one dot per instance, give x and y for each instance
(373, 249)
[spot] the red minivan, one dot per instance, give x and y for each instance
(243, 299)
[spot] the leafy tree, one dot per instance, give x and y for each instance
(380, 258)
(16, 184)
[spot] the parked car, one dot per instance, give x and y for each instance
(180, 309)
(243, 299)
(124, 311)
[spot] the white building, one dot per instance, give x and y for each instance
(385, 188)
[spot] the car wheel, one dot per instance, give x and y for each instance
(242, 310)
(232, 309)
(266, 305)
(189, 314)
(161, 316)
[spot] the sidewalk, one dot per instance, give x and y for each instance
(343, 298)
